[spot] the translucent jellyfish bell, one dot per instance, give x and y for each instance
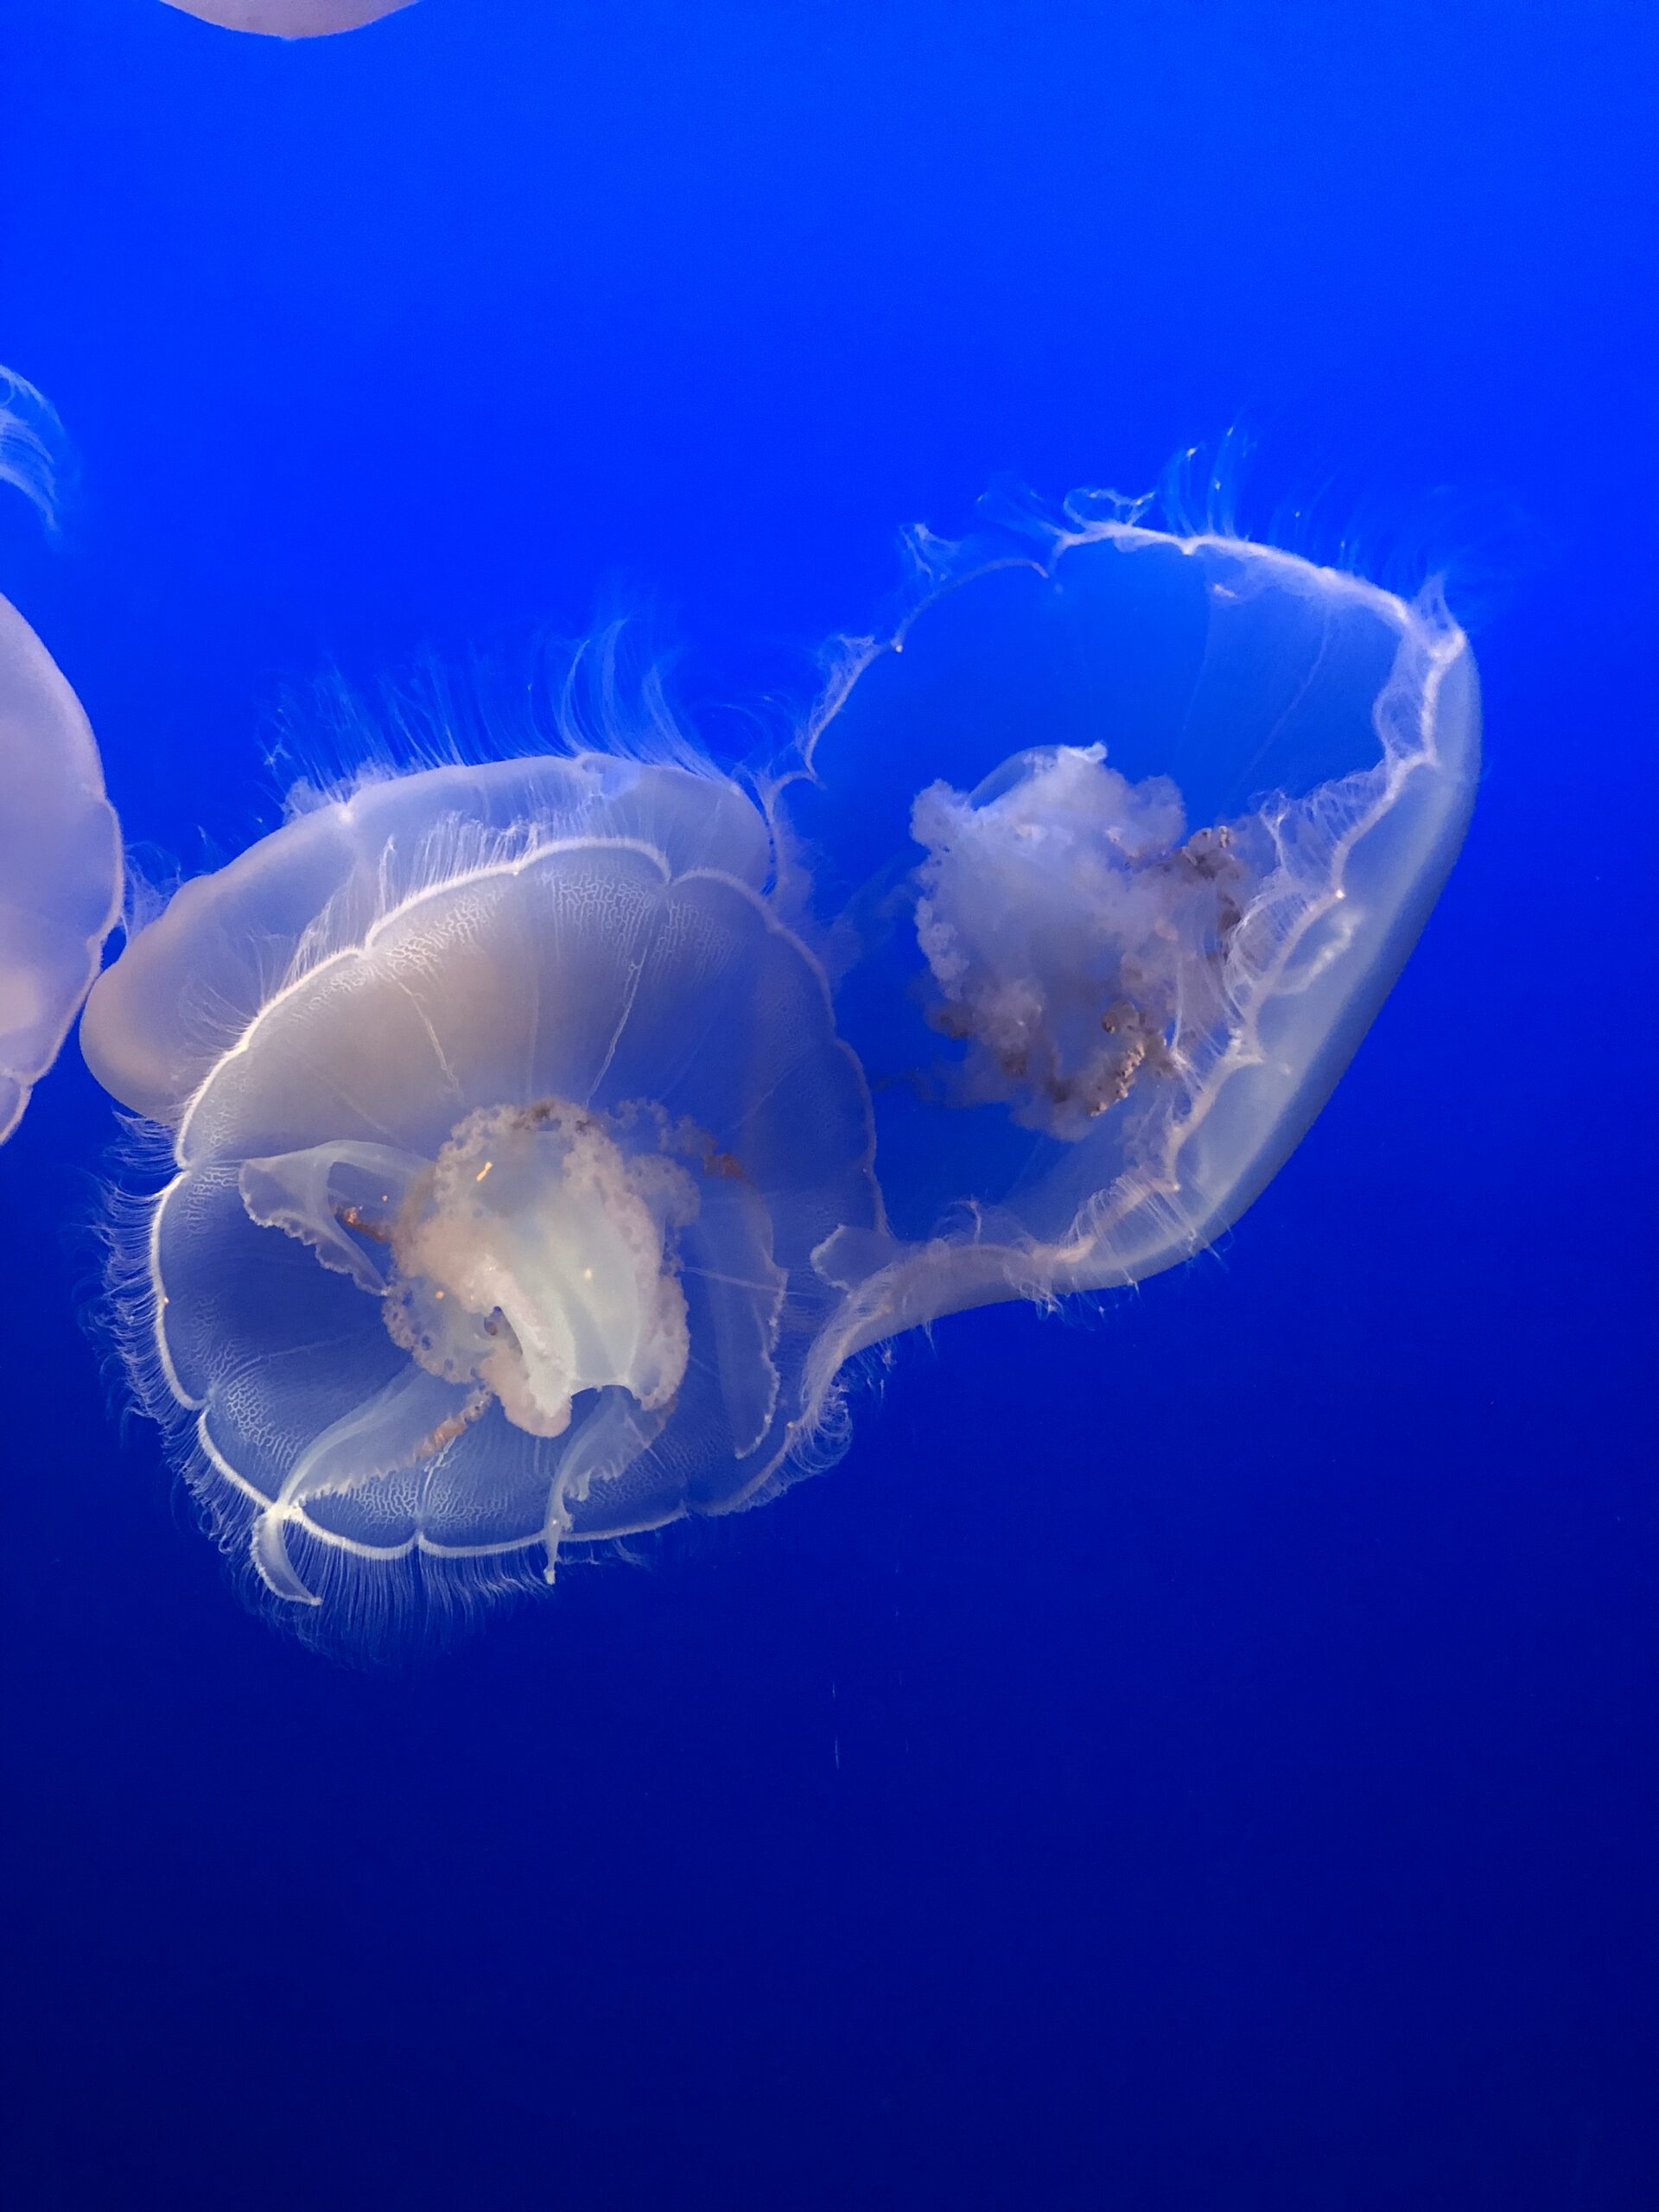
(1134, 830)
(290, 18)
(59, 844)
(505, 1115)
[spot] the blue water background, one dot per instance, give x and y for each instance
(1201, 1759)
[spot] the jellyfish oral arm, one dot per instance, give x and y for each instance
(404, 1425)
(537, 1259)
(531, 1265)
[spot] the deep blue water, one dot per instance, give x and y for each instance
(1201, 1759)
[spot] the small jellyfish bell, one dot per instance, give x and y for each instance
(289, 18)
(504, 1114)
(1132, 830)
(59, 845)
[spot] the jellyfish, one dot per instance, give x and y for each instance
(290, 18)
(546, 1134)
(504, 1114)
(1132, 829)
(59, 845)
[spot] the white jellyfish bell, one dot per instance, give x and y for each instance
(505, 1115)
(289, 18)
(1134, 829)
(59, 843)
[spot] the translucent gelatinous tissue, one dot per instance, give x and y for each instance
(59, 845)
(546, 1134)
(1135, 828)
(506, 1115)
(290, 18)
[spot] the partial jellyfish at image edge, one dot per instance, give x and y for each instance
(59, 841)
(289, 19)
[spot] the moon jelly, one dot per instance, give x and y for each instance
(505, 1115)
(59, 845)
(1135, 829)
(290, 18)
